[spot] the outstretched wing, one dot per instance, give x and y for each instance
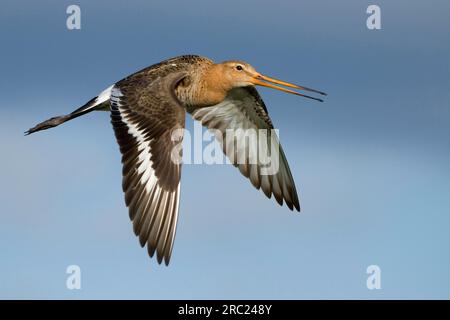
(144, 113)
(241, 112)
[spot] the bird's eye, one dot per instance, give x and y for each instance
(239, 67)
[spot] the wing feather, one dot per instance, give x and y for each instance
(243, 111)
(144, 113)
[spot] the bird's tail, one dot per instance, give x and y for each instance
(98, 103)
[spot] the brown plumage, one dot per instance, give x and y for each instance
(148, 106)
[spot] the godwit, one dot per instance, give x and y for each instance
(147, 106)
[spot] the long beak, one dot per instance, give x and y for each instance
(266, 81)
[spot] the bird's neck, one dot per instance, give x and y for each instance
(208, 87)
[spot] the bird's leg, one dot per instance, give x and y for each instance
(50, 123)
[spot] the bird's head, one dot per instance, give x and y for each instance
(237, 73)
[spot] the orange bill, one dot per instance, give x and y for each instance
(266, 81)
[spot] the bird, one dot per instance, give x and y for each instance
(147, 106)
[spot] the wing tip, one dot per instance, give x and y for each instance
(166, 261)
(293, 206)
(296, 203)
(160, 257)
(296, 207)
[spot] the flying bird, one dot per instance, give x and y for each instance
(147, 106)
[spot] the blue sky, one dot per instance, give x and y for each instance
(370, 164)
